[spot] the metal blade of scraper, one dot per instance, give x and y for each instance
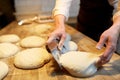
(53, 49)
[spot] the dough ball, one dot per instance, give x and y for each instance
(42, 28)
(32, 41)
(69, 46)
(80, 64)
(3, 70)
(13, 38)
(8, 49)
(31, 58)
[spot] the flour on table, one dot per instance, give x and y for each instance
(3, 70)
(8, 49)
(32, 41)
(80, 64)
(31, 58)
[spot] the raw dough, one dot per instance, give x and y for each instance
(9, 38)
(31, 58)
(32, 41)
(69, 46)
(80, 64)
(41, 28)
(8, 49)
(3, 70)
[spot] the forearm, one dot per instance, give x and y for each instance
(116, 18)
(116, 22)
(62, 8)
(59, 21)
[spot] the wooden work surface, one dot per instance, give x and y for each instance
(50, 71)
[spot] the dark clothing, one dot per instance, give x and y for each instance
(95, 16)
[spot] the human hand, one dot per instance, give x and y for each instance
(58, 33)
(108, 38)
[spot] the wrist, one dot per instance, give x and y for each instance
(60, 21)
(116, 23)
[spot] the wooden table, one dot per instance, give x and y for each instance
(50, 71)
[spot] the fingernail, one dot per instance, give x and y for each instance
(60, 47)
(98, 47)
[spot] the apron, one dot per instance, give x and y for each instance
(95, 16)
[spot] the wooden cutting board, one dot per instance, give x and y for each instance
(51, 71)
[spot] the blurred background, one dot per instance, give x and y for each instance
(11, 10)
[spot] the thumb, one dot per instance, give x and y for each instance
(101, 42)
(50, 39)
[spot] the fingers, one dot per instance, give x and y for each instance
(103, 60)
(61, 41)
(57, 36)
(109, 50)
(106, 56)
(101, 42)
(110, 47)
(51, 38)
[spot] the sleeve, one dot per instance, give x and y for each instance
(62, 7)
(117, 13)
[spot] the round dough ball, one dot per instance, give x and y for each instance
(69, 46)
(3, 70)
(32, 41)
(80, 64)
(31, 58)
(8, 49)
(13, 38)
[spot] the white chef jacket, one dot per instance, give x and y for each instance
(63, 7)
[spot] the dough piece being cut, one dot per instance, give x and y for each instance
(31, 58)
(32, 41)
(79, 64)
(8, 49)
(13, 38)
(3, 70)
(69, 46)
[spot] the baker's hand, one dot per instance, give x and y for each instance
(108, 38)
(58, 33)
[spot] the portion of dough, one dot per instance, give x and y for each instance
(42, 28)
(69, 46)
(32, 41)
(13, 38)
(31, 58)
(8, 49)
(80, 64)
(3, 70)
